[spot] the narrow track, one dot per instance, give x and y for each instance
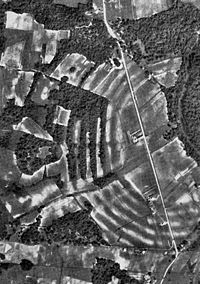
(134, 99)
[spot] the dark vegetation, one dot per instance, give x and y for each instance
(2, 27)
(104, 269)
(163, 35)
(6, 266)
(183, 103)
(27, 150)
(26, 264)
(73, 228)
(105, 180)
(53, 16)
(93, 41)
(168, 34)
(5, 218)
(87, 107)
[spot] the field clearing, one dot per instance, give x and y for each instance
(42, 89)
(11, 57)
(124, 216)
(27, 41)
(75, 66)
(156, 109)
(171, 162)
(132, 9)
(174, 171)
(62, 116)
(98, 139)
(137, 170)
(28, 180)
(165, 71)
(28, 125)
(8, 164)
(19, 21)
(115, 141)
(79, 260)
(32, 198)
(111, 83)
(57, 209)
(135, 156)
(147, 9)
(16, 85)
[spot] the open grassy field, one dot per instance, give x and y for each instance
(132, 9)
(75, 166)
(27, 42)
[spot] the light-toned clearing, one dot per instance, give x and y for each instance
(76, 141)
(38, 38)
(148, 8)
(28, 180)
(51, 46)
(10, 92)
(19, 21)
(11, 57)
(165, 71)
(52, 39)
(67, 279)
(29, 126)
(88, 171)
(57, 209)
(98, 138)
(48, 191)
(77, 61)
(77, 131)
(62, 116)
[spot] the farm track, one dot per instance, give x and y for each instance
(111, 32)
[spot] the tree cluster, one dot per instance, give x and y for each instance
(104, 269)
(163, 35)
(27, 150)
(73, 228)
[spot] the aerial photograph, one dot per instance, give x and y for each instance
(99, 141)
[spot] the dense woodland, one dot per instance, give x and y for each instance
(73, 228)
(92, 42)
(167, 34)
(163, 35)
(105, 269)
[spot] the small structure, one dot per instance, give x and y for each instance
(135, 136)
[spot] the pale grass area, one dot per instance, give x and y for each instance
(71, 280)
(57, 209)
(165, 71)
(41, 36)
(11, 57)
(99, 166)
(62, 116)
(28, 180)
(52, 38)
(12, 81)
(77, 61)
(147, 8)
(88, 171)
(29, 126)
(19, 21)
